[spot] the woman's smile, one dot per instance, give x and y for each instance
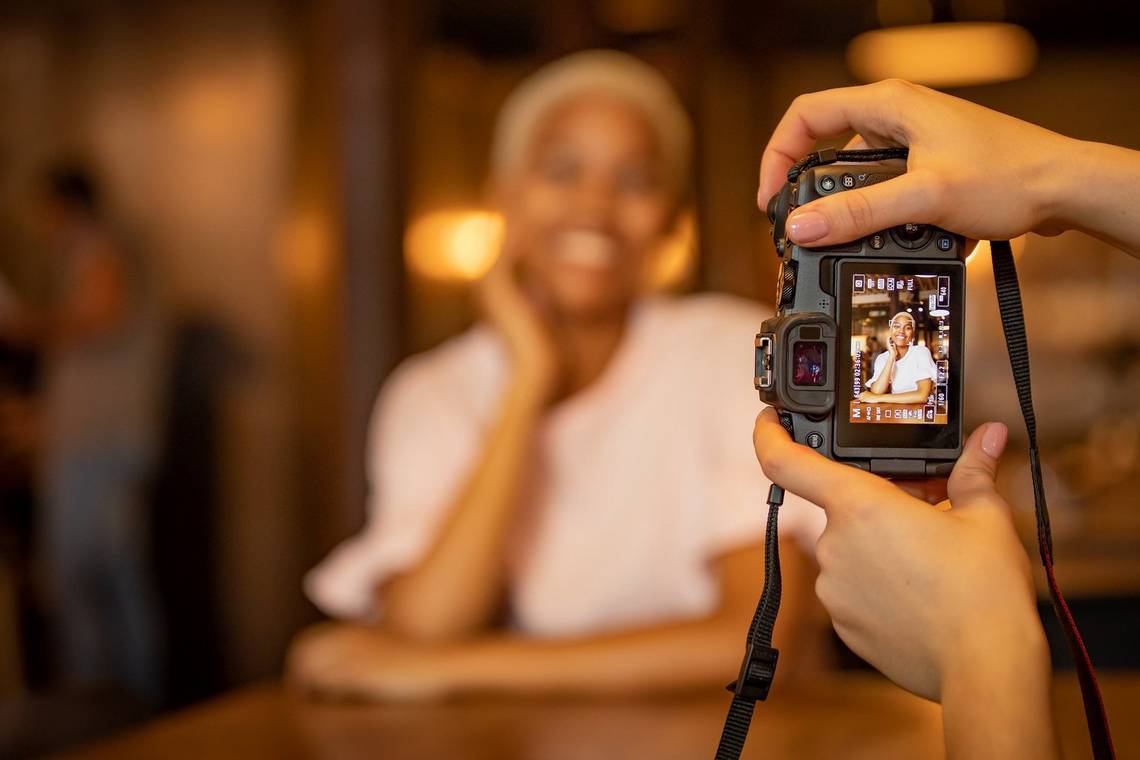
(586, 248)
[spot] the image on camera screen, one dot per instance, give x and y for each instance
(900, 348)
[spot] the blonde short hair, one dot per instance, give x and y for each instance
(904, 315)
(601, 72)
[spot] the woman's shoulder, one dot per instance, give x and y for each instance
(701, 314)
(698, 337)
(460, 364)
(922, 352)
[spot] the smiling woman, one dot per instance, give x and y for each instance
(560, 497)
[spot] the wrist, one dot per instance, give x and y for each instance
(996, 695)
(1065, 186)
(494, 664)
(533, 382)
(996, 652)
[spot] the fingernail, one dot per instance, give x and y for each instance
(807, 226)
(993, 440)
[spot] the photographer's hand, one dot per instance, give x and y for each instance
(971, 170)
(941, 602)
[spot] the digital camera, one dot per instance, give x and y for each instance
(863, 359)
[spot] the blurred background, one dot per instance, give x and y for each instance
(297, 190)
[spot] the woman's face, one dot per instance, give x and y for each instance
(902, 331)
(587, 207)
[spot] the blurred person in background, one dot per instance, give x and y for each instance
(870, 351)
(563, 498)
(94, 432)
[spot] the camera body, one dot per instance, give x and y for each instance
(863, 359)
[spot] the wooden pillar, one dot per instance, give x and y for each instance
(349, 294)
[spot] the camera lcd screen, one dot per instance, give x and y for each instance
(900, 325)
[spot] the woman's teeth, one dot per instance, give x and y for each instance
(586, 248)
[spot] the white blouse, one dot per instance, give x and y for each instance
(916, 365)
(646, 477)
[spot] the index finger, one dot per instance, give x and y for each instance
(806, 473)
(816, 115)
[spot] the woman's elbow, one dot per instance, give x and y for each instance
(407, 615)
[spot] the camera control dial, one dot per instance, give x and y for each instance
(786, 285)
(911, 236)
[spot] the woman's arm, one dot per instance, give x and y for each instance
(882, 382)
(916, 396)
(357, 661)
(458, 588)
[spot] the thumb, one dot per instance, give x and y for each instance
(850, 215)
(972, 481)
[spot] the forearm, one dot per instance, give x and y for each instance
(697, 653)
(458, 587)
(703, 653)
(908, 397)
(996, 698)
(883, 382)
(1096, 189)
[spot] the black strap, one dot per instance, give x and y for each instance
(830, 156)
(1013, 322)
(759, 665)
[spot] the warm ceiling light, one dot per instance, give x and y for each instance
(462, 244)
(453, 244)
(943, 55)
(1016, 245)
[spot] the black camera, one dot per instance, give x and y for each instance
(863, 359)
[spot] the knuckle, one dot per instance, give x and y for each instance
(825, 550)
(896, 87)
(859, 212)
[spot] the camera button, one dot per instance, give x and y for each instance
(827, 183)
(814, 439)
(848, 180)
(945, 243)
(876, 241)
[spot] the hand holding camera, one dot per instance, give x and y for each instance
(894, 577)
(891, 569)
(980, 173)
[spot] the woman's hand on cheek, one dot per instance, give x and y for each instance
(349, 661)
(518, 320)
(915, 591)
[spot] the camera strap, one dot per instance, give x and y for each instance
(759, 665)
(1013, 323)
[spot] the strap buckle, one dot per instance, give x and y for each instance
(756, 672)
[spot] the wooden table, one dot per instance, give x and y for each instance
(852, 716)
